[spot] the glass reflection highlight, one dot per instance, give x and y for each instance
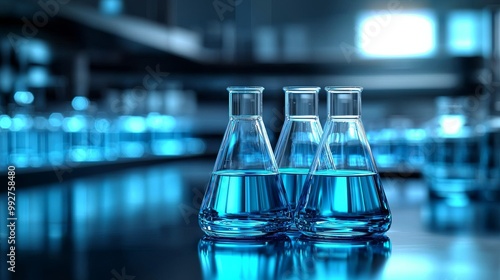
(342, 259)
(252, 259)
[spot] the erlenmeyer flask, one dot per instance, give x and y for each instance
(343, 195)
(245, 197)
(299, 139)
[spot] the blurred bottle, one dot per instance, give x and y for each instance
(452, 150)
(491, 154)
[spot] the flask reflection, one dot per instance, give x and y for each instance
(244, 259)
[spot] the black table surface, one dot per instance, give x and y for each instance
(141, 223)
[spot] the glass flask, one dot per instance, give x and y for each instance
(298, 140)
(343, 195)
(245, 197)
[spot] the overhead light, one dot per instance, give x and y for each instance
(396, 34)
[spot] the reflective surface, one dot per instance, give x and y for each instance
(142, 222)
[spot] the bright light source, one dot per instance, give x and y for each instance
(396, 34)
(464, 32)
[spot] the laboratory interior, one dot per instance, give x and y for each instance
(113, 113)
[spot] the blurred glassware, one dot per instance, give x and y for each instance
(132, 136)
(5, 123)
(460, 215)
(298, 140)
(21, 145)
(452, 150)
(491, 163)
(342, 259)
(245, 259)
(57, 146)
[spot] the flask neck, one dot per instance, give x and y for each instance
(344, 102)
(245, 101)
(301, 101)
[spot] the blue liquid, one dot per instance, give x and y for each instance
(244, 204)
(293, 180)
(343, 204)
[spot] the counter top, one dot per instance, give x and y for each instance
(141, 223)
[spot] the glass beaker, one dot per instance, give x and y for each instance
(245, 197)
(343, 196)
(298, 140)
(452, 168)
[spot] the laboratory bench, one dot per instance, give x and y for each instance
(140, 222)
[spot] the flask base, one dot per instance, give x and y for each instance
(243, 227)
(344, 229)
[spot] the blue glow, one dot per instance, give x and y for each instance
(80, 103)
(415, 134)
(5, 122)
(38, 76)
(132, 149)
(78, 154)
(56, 119)
(159, 122)
(23, 97)
(111, 7)
(74, 124)
(39, 51)
(397, 34)
(134, 124)
(464, 32)
(170, 147)
(102, 125)
(20, 122)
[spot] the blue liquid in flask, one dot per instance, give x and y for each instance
(248, 203)
(344, 203)
(245, 198)
(293, 181)
(343, 196)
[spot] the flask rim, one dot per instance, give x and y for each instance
(247, 89)
(301, 89)
(353, 89)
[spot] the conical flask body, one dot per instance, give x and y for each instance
(245, 197)
(299, 139)
(343, 195)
